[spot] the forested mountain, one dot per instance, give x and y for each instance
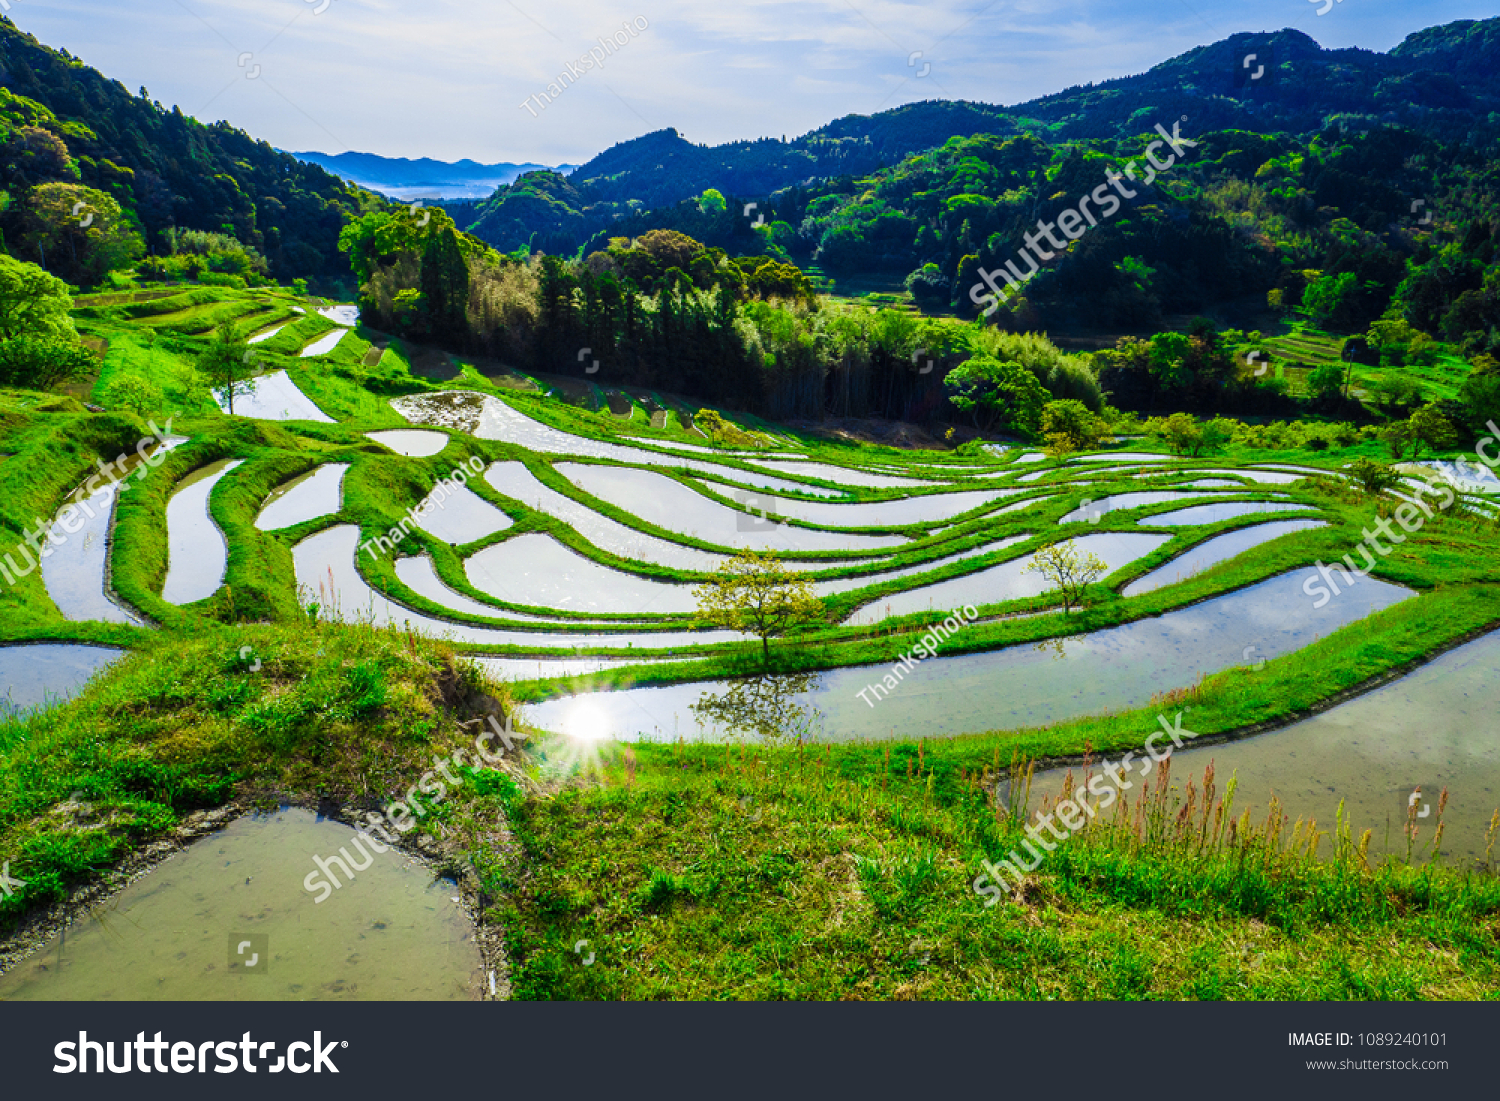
(1443, 82)
(69, 135)
(1355, 192)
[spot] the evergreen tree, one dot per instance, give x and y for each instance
(445, 288)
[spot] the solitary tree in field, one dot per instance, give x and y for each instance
(1374, 478)
(1069, 425)
(1430, 426)
(227, 363)
(1069, 570)
(753, 592)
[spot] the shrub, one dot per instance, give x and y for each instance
(41, 362)
(1374, 478)
(1069, 426)
(134, 393)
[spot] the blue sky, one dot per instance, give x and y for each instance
(446, 79)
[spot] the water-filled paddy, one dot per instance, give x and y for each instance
(458, 515)
(327, 574)
(419, 575)
(1264, 477)
(489, 418)
(849, 584)
(414, 443)
(317, 493)
(275, 397)
(517, 669)
(75, 565)
(1433, 728)
(674, 507)
(345, 314)
(196, 551)
(1020, 686)
(324, 344)
(43, 673)
(1116, 456)
(535, 570)
(1211, 552)
(267, 335)
(515, 481)
(1223, 510)
(842, 475)
(1464, 476)
(391, 932)
(1007, 581)
(925, 509)
(1093, 510)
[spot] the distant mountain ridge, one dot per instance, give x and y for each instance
(422, 177)
(1441, 81)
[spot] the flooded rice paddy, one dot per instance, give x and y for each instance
(230, 919)
(1020, 686)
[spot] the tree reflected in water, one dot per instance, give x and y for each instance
(765, 707)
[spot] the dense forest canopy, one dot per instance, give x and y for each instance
(70, 135)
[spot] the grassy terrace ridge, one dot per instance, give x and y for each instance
(765, 873)
(735, 871)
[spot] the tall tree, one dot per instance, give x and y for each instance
(445, 287)
(228, 363)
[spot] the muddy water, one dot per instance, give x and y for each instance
(1020, 686)
(1433, 728)
(38, 674)
(392, 933)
